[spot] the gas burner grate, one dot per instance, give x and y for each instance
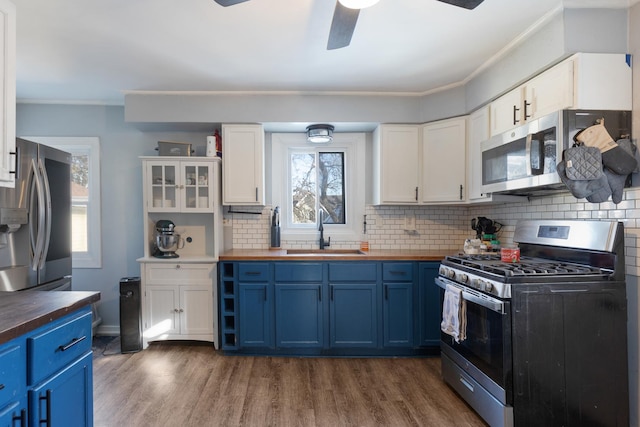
(538, 269)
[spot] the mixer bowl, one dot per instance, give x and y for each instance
(168, 242)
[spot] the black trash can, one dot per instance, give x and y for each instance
(130, 315)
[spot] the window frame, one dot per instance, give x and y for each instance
(353, 145)
(90, 146)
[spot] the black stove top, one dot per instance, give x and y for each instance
(528, 267)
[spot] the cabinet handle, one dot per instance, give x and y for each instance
(178, 266)
(47, 399)
(416, 194)
(256, 194)
(22, 418)
(397, 272)
(386, 292)
(515, 109)
(526, 104)
(175, 310)
(16, 162)
(331, 296)
(72, 343)
(252, 273)
(320, 293)
(460, 191)
(1, 386)
(181, 311)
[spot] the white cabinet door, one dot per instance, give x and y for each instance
(196, 310)
(506, 112)
(197, 189)
(162, 311)
(444, 160)
(396, 164)
(549, 92)
(478, 131)
(162, 181)
(242, 165)
(7, 93)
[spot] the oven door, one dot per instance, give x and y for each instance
(524, 157)
(486, 352)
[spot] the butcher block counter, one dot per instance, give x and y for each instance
(22, 312)
(333, 255)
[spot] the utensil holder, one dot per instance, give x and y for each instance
(275, 236)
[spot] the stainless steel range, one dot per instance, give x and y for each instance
(545, 337)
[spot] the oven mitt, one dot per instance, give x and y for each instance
(584, 188)
(613, 156)
(616, 181)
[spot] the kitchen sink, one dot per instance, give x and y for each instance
(325, 252)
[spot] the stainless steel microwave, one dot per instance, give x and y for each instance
(523, 160)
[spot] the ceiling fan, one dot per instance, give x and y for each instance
(346, 17)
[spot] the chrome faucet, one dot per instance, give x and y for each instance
(323, 243)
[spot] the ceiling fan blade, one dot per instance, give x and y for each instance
(226, 3)
(342, 26)
(467, 4)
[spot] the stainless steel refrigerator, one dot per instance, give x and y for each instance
(35, 221)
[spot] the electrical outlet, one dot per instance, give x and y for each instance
(410, 223)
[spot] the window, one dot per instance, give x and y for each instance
(308, 179)
(316, 184)
(85, 196)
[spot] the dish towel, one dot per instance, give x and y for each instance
(454, 314)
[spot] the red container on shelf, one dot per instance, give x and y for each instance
(510, 254)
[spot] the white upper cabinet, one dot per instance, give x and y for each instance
(478, 131)
(243, 165)
(444, 161)
(181, 184)
(585, 81)
(396, 160)
(550, 91)
(7, 93)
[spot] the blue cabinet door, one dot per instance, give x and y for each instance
(299, 315)
(14, 414)
(66, 399)
(398, 314)
(430, 310)
(255, 308)
(353, 315)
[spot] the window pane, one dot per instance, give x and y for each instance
(331, 187)
(303, 188)
(80, 199)
(79, 224)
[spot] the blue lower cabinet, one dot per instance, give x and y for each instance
(299, 315)
(255, 313)
(398, 314)
(429, 305)
(14, 414)
(65, 399)
(353, 315)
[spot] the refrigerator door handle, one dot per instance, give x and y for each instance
(47, 196)
(36, 208)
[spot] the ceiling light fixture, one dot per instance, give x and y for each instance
(320, 134)
(358, 4)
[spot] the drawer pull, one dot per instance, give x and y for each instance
(397, 272)
(47, 399)
(467, 384)
(72, 343)
(252, 273)
(22, 418)
(1, 386)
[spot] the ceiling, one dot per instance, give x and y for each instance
(90, 51)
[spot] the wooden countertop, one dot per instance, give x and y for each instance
(373, 255)
(22, 312)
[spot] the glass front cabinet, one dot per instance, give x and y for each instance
(179, 185)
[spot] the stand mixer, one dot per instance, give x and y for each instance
(167, 242)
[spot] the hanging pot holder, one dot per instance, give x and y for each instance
(583, 163)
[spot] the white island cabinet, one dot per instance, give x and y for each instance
(7, 93)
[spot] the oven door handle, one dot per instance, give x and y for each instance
(474, 296)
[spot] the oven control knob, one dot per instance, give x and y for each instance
(463, 278)
(451, 274)
(488, 286)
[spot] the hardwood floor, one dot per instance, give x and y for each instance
(193, 385)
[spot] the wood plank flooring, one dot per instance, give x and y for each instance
(193, 385)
